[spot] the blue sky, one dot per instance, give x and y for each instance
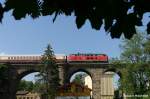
(30, 36)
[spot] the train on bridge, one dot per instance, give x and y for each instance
(79, 57)
(87, 58)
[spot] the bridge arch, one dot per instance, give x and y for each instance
(25, 73)
(85, 78)
(79, 70)
(114, 70)
(72, 71)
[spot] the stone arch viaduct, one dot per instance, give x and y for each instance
(22, 65)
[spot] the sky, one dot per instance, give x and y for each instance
(28, 36)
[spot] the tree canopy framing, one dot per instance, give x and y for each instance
(114, 14)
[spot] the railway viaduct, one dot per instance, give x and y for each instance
(22, 65)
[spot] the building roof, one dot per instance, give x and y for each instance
(22, 92)
(73, 89)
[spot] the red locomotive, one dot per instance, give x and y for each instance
(87, 58)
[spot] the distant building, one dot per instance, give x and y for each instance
(27, 95)
(73, 91)
(88, 82)
(107, 88)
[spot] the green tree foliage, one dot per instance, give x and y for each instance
(133, 49)
(3, 72)
(136, 74)
(147, 49)
(136, 78)
(49, 74)
(79, 79)
(30, 86)
(4, 77)
(26, 85)
(114, 14)
(39, 87)
(117, 94)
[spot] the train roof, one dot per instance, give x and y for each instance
(88, 54)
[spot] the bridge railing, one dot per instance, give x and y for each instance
(26, 58)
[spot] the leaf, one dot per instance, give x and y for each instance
(148, 28)
(80, 20)
(9, 4)
(48, 7)
(129, 25)
(18, 14)
(95, 21)
(108, 23)
(56, 14)
(34, 8)
(21, 8)
(1, 12)
(116, 30)
(129, 32)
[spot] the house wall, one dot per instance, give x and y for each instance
(29, 96)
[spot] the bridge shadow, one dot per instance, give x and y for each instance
(25, 73)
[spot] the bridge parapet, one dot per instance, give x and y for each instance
(27, 58)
